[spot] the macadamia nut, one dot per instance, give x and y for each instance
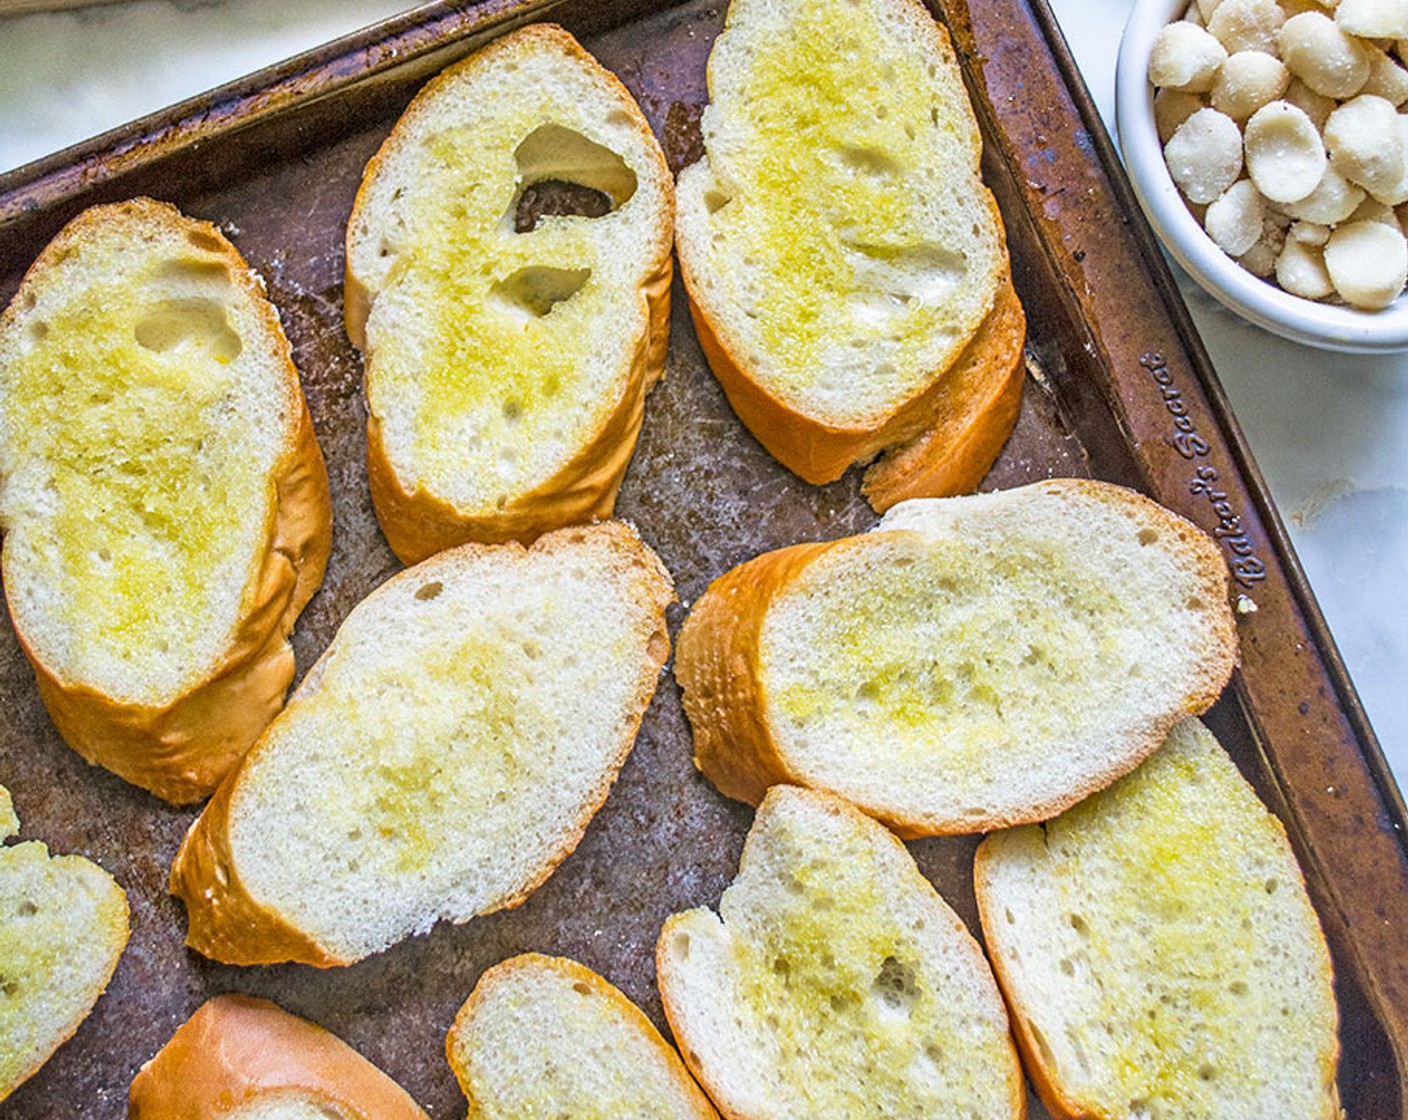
(1233, 219)
(1373, 19)
(1171, 108)
(1386, 78)
(1185, 57)
(1364, 143)
(1367, 263)
(1247, 25)
(1314, 105)
(1285, 157)
(1205, 154)
(1333, 200)
(1246, 82)
(1323, 56)
(1300, 270)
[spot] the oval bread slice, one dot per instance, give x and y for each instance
(1158, 950)
(837, 244)
(442, 757)
(240, 1058)
(63, 926)
(507, 362)
(834, 981)
(545, 1037)
(972, 663)
(164, 502)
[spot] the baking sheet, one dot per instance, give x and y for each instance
(1119, 388)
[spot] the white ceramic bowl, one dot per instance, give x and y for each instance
(1328, 326)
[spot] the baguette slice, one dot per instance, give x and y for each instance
(835, 981)
(63, 926)
(164, 502)
(973, 663)
(545, 1037)
(973, 413)
(240, 1058)
(441, 758)
(836, 242)
(506, 372)
(1158, 950)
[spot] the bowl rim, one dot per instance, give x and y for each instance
(1327, 326)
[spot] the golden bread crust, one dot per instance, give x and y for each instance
(235, 1049)
(717, 667)
(418, 522)
(975, 410)
(603, 989)
(180, 750)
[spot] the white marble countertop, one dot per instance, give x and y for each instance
(1330, 432)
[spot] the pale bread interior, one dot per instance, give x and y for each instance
(493, 356)
(143, 405)
(837, 232)
(63, 925)
(977, 656)
(1159, 941)
(834, 981)
(451, 744)
(542, 1042)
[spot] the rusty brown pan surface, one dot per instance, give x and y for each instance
(1120, 388)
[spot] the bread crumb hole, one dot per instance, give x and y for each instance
(1067, 968)
(26, 909)
(538, 289)
(714, 201)
(194, 324)
(513, 410)
(1148, 536)
(1207, 1072)
(1011, 918)
(1195, 604)
(895, 985)
(427, 591)
(565, 174)
(1078, 924)
(582, 988)
(680, 943)
(205, 242)
(38, 331)
(1271, 885)
(1238, 987)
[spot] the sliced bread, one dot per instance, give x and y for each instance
(240, 1058)
(972, 663)
(836, 241)
(164, 502)
(441, 758)
(544, 1037)
(969, 420)
(63, 926)
(834, 981)
(508, 283)
(1159, 953)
